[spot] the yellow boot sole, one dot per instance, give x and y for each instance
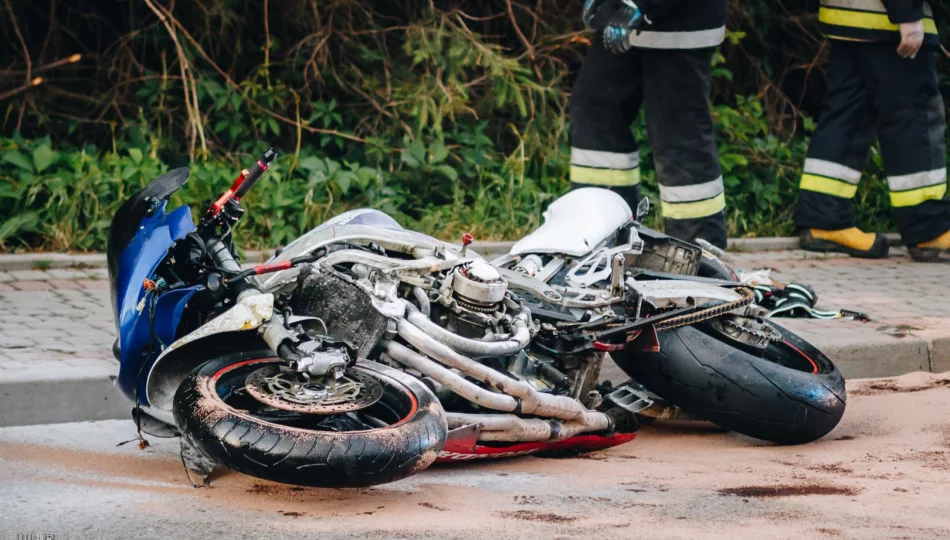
(878, 250)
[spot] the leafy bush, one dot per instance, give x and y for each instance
(64, 199)
(451, 116)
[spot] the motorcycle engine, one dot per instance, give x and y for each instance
(477, 286)
(479, 292)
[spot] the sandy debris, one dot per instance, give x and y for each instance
(884, 473)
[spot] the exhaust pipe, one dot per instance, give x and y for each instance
(470, 391)
(532, 401)
(519, 339)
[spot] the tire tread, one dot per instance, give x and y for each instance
(741, 392)
(313, 458)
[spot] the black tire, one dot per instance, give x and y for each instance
(794, 395)
(289, 453)
(716, 269)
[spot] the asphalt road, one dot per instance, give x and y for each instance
(884, 473)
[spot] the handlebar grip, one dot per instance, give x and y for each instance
(255, 172)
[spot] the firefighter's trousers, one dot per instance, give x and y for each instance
(673, 88)
(874, 93)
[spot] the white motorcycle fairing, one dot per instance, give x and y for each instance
(577, 223)
(249, 313)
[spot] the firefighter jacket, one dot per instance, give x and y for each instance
(874, 20)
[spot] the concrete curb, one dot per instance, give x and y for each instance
(61, 400)
(89, 395)
(872, 360)
(889, 357)
(94, 397)
(44, 260)
(782, 243)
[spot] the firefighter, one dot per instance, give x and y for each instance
(656, 54)
(882, 82)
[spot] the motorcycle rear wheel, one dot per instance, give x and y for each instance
(793, 394)
(398, 435)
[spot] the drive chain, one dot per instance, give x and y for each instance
(748, 298)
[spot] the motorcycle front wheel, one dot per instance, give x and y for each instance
(245, 412)
(789, 394)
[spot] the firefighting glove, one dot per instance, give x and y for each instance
(593, 16)
(622, 23)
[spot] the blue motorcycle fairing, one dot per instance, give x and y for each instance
(156, 234)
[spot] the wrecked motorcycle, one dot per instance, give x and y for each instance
(363, 352)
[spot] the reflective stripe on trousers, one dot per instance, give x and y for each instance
(617, 169)
(695, 201)
(875, 94)
(906, 190)
(830, 178)
(672, 87)
(914, 189)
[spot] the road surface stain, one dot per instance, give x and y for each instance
(788, 490)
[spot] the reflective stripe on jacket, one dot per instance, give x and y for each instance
(681, 24)
(875, 20)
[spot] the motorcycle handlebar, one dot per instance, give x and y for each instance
(242, 184)
(255, 172)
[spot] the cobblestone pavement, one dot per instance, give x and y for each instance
(56, 324)
(56, 334)
(908, 303)
(54, 315)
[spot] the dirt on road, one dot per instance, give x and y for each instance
(883, 473)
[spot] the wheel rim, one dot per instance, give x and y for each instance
(395, 404)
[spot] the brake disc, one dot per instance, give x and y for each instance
(290, 390)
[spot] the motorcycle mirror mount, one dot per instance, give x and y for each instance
(643, 208)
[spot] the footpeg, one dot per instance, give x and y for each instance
(630, 398)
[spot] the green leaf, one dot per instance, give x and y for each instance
(409, 158)
(312, 163)
(316, 177)
(344, 179)
(437, 153)
(17, 158)
(136, 155)
(448, 172)
(43, 157)
(272, 124)
(26, 222)
(418, 151)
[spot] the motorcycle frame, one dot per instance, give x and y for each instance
(144, 319)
